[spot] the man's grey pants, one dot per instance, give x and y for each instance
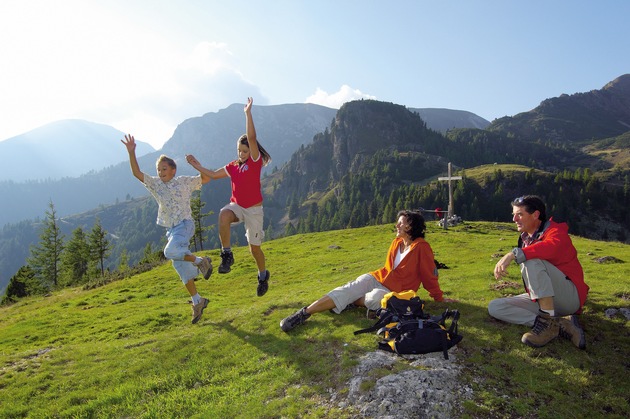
(542, 279)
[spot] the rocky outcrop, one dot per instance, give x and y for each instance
(428, 387)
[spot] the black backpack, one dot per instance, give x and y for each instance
(407, 329)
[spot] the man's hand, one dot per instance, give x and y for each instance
(500, 270)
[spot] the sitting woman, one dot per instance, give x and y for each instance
(409, 263)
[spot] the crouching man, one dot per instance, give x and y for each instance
(552, 275)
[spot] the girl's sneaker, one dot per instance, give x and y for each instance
(227, 260)
(263, 284)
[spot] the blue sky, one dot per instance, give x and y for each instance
(144, 66)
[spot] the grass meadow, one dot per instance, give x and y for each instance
(128, 349)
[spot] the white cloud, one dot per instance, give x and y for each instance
(77, 60)
(205, 80)
(335, 100)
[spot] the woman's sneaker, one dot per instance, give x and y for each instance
(294, 320)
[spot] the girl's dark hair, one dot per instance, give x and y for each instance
(532, 203)
(417, 226)
(263, 153)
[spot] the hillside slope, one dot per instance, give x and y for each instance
(127, 349)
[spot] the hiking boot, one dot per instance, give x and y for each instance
(205, 267)
(570, 329)
(197, 309)
(263, 284)
(227, 260)
(546, 329)
(294, 320)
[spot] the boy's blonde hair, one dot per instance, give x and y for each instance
(168, 160)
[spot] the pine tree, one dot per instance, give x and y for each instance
(22, 284)
(123, 266)
(45, 259)
(100, 248)
(196, 206)
(75, 258)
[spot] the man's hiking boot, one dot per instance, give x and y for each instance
(227, 260)
(294, 320)
(570, 328)
(205, 267)
(197, 309)
(546, 329)
(263, 284)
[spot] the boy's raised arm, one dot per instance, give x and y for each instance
(130, 143)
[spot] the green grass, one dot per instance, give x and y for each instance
(127, 349)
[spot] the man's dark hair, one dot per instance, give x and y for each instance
(417, 226)
(532, 203)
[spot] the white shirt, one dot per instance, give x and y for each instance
(400, 256)
(173, 197)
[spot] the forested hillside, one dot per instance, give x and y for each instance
(379, 157)
(376, 158)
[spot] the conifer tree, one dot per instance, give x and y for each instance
(76, 256)
(100, 247)
(45, 259)
(196, 206)
(22, 284)
(123, 266)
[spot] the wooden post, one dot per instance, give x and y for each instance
(449, 178)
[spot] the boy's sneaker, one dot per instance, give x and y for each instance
(546, 329)
(263, 284)
(227, 260)
(294, 320)
(570, 328)
(205, 267)
(197, 309)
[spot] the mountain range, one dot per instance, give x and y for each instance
(94, 164)
(358, 165)
(67, 148)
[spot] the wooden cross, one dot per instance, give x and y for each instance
(449, 178)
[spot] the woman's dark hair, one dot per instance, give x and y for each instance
(263, 153)
(417, 226)
(532, 203)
